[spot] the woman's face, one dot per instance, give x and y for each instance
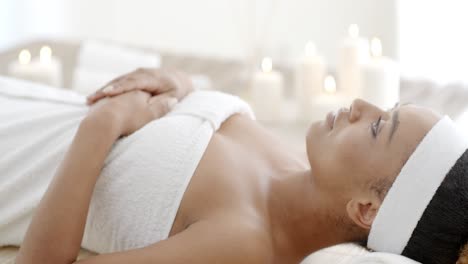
(355, 146)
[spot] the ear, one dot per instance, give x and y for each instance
(363, 210)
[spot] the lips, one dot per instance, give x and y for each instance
(331, 119)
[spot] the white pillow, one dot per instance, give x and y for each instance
(341, 254)
(462, 121)
(97, 56)
(86, 81)
(99, 63)
(382, 258)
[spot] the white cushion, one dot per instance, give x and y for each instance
(340, 254)
(382, 258)
(98, 63)
(462, 121)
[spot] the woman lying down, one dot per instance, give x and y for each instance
(153, 172)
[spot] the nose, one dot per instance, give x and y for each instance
(360, 108)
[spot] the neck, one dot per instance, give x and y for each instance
(300, 218)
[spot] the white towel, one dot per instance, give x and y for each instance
(382, 258)
(144, 177)
(17, 88)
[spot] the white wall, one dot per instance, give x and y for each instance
(434, 44)
(21, 20)
(225, 28)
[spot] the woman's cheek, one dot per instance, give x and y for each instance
(352, 149)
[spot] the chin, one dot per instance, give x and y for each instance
(317, 129)
(314, 135)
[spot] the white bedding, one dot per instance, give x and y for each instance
(462, 121)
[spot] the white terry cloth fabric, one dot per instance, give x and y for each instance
(144, 177)
(382, 258)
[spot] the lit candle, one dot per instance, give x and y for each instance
(353, 52)
(380, 78)
(329, 85)
(47, 69)
(329, 100)
(45, 54)
(23, 68)
(50, 67)
(310, 72)
(24, 57)
(267, 92)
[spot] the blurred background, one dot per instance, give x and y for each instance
(218, 28)
(225, 40)
(293, 60)
(228, 45)
(425, 36)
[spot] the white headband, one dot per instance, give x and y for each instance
(415, 186)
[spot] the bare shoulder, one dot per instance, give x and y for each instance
(220, 240)
(236, 123)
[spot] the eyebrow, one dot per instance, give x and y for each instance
(395, 120)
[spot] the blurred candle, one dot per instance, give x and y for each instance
(267, 92)
(45, 55)
(380, 78)
(329, 85)
(310, 72)
(47, 69)
(23, 68)
(24, 57)
(329, 100)
(50, 67)
(353, 52)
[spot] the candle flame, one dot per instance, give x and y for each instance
(24, 57)
(45, 54)
(329, 84)
(310, 49)
(353, 30)
(376, 47)
(267, 64)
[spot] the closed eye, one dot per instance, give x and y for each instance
(375, 127)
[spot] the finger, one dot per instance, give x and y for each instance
(113, 83)
(138, 80)
(161, 105)
(103, 92)
(98, 94)
(125, 85)
(110, 90)
(144, 82)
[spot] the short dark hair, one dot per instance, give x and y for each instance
(442, 230)
(381, 186)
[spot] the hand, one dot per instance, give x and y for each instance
(130, 111)
(153, 81)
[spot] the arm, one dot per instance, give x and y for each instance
(154, 81)
(55, 233)
(220, 240)
(56, 230)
